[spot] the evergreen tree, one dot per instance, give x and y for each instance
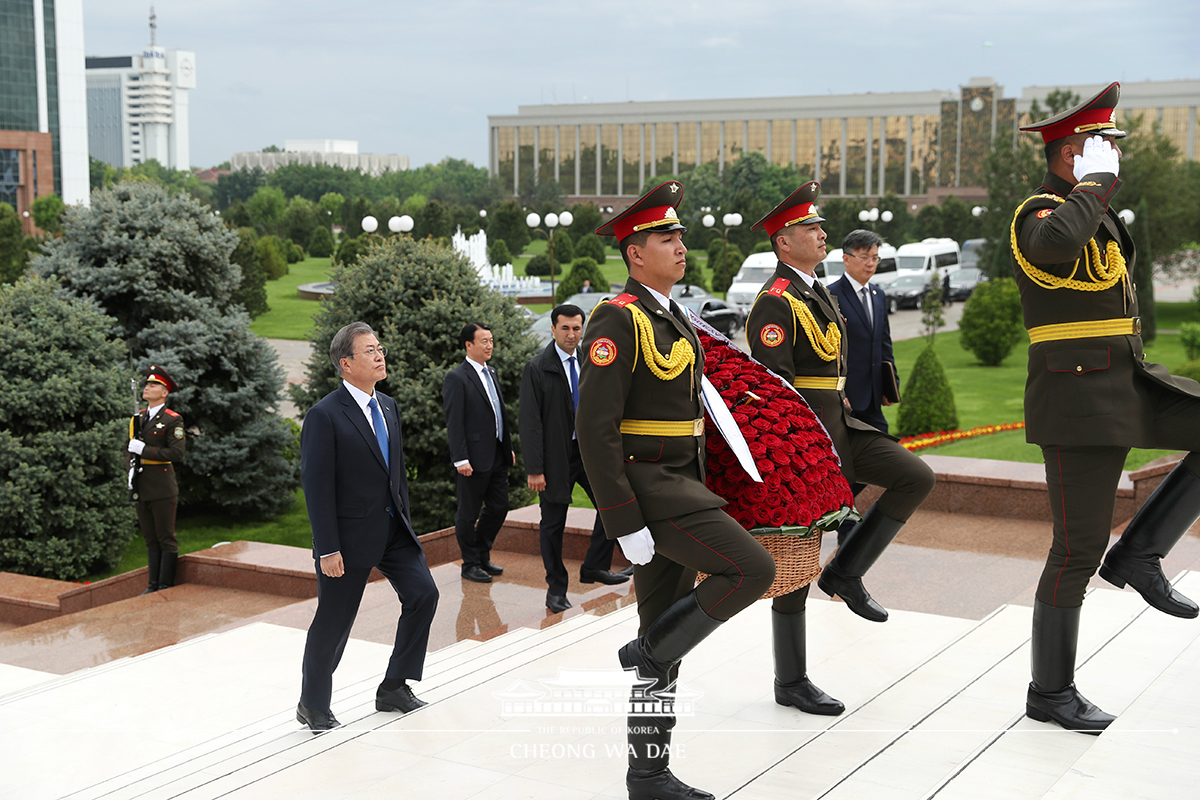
(47, 213)
(417, 295)
(271, 257)
(64, 414)
(507, 221)
(564, 248)
(320, 245)
(730, 262)
(1012, 170)
(590, 246)
(928, 405)
(538, 265)
(583, 269)
(159, 264)
(692, 274)
(251, 293)
(585, 218)
(15, 246)
(498, 255)
(991, 321)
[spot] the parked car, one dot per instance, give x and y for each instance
(970, 252)
(540, 329)
(588, 300)
(937, 256)
(906, 291)
(717, 313)
(684, 290)
(833, 267)
(963, 282)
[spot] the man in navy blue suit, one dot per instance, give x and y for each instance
(869, 337)
(352, 468)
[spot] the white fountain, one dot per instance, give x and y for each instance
(499, 277)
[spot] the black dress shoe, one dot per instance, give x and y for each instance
(661, 785)
(601, 576)
(1068, 708)
(807, 697)
(853, 594)
(476, 574)
(492, 569)
(557, 603)
(402, 699)
(317, 721)
(627, 572)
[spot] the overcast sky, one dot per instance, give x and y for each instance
(420, 79)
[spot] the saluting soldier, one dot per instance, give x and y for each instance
(796, 329)
(1090, 396)
(640, 424)
(156, 442)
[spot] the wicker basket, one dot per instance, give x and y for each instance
(797, 561)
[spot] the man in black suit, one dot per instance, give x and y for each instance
(869, 335)
(352, 468)
(481, 451)
(549, 396)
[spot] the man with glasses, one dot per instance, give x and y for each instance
(352, 468)
(870, 366)
(481, 451)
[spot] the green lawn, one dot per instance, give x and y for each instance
(1169, 316)
(290, 317)
(199, 532)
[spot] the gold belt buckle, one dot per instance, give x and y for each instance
(1137, 325)
(698, 427)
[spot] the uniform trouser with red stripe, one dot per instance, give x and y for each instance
(1082, 483)
(740, 570)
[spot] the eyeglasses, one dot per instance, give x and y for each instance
(372, 350)
(867, 259)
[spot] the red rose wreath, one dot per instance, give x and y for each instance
(803, 491)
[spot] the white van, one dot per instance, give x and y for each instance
(928, 256)
(755, 271)
(833, 266)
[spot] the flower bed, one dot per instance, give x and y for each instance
(923, 440)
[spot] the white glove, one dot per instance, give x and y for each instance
(136, 446)
(638, 546)
(1098, 156)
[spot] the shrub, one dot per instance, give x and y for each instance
(1189, 370)
(417, 295)
(292, 252)
(564, 248)
(159, 265)
(349, 250)
(251, 293)
(64, 414)
(991, 321)
(506, 221)
(538, 265)
(320, 245)
(1189, 336)
(271, 257)
(15, 246)
(498, 255)
(928, 400)
(692, 274)
(730, 261)
(590, 246)
(583, 269)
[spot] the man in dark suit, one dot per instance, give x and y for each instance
(156, 443)
(869, 337)
(549, 396)
(481, 451)
(1090, 396)
(352, 468)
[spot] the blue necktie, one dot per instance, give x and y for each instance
(494, 395)
(381, 435)
(574, 382)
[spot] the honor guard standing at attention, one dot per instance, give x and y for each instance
(1090, 396)
(796, 330)
(156, 442)
(640, 424)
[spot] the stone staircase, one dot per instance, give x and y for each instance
(934, 709)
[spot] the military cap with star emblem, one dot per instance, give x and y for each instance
(653, 211)
(798, 209)
(157, 374)
(1096, 116)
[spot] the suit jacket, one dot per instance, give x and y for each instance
(777, 340)
(639, 478)
(867, 346)
(1091, 391)
(347, 485)
(470, 421)
(547, 421)
(165, 441)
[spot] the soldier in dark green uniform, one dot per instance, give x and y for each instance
(156, 441)
(796, 329)
(1090, 396)
(640, 424)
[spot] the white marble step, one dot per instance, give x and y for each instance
(1027, 758)
(17, 679)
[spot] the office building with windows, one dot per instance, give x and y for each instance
(916, 145)
(43, 110)
(138, 107)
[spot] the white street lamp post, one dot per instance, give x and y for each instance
(552, 221)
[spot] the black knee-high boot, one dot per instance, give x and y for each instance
(153, 562)
(862, 548)
(792, 686)
(1162, 521)
(1052, 696)
(648, 777)
(166, 573)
